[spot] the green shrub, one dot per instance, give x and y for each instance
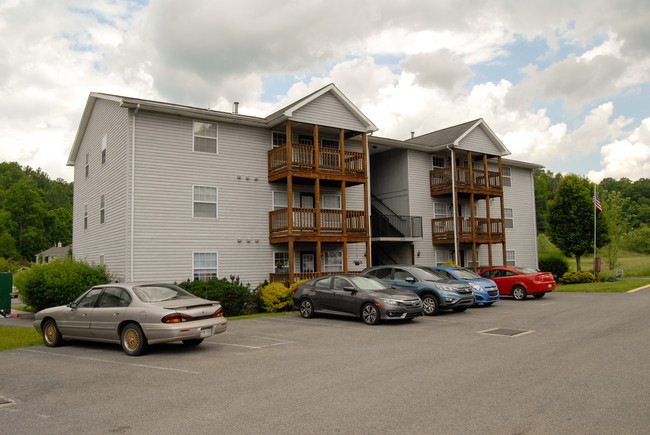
(57, 283)
(235, 298)
(578, 277)
(276, 297)
(557, 264)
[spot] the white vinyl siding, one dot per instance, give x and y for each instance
(280, 200)
(205, 137)
(205, 202)
(205, 265)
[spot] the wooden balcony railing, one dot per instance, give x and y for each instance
(304, 222)
(465, 179)
(443, 230)
(303, 158)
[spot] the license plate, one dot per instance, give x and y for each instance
(206, 332)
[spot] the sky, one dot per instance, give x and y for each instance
(565, 84)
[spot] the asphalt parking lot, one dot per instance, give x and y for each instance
(567, 363)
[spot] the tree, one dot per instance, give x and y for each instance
(28, 213)
(617, 222)
(570, 218)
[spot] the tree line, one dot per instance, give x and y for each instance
(565, 214)
(35, 212)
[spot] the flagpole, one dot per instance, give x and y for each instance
(594, 201)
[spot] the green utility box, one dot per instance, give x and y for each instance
(6, 282)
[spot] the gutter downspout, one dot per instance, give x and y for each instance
(453, 202)
(133, 188)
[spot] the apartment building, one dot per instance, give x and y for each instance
(169, 192)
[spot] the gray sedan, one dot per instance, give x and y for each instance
(134, 315)
(356, 296)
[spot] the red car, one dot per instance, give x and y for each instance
(520, 281)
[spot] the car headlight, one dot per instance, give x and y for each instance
(447, 288)
(390, 301)
(475, 287)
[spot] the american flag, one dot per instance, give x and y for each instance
(596, 202)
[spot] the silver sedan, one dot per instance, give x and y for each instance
(134, 315)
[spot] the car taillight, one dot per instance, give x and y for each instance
(218, 313)
(176, 318)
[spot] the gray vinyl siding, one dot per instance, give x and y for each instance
(328, 111)
(421, 204)
(521, 199)
(390, 180)
(478, 142)
(108, 179)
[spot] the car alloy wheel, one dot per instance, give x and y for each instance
(519, 293)
(431, 305)
(306, 309)
(370, 314)
(51, 334)
(134, 342)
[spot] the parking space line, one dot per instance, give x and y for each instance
(111, 362)
(312, 322)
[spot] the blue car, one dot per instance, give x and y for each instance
(485, 290)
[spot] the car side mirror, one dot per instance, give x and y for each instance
(409, 279)
(72, 305)
(349, 289)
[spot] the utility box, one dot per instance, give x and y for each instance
(6, 283)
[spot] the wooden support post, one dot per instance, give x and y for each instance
(317, 224)
(289, 152)
(316, 150)
(290, 205)
(342, 149)
(291, 261)
(344, 212)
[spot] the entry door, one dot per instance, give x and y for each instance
(307, 262)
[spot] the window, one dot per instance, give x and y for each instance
(401, 275)
(340, 283)
(102, 260)
(104, 142)
(205, 202)
(114, 297)
(205, 137)
(507, 178)
(468, 259)
(102, 210)
(278, 139)
(332, 261)
(281, 262)
(205, 265)
(280, 200)
(330, 202)
(330, 143)
(382, 273)
(305, 140)
(88, 301)
(509, 218)
(441, 210)
(323, 283)
(510, 258)
(87, 164)
(438, 161)
(85, 217)
(442, 257)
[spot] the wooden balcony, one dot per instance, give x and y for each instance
(327, 165)
(466, 181)
(305, 225)
(483, 231)
(285, 278)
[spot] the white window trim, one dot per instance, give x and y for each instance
(216, 202)
(102, 209)
(87, 164)
(216, 137)
(216, 268)
(273, 133)
(322, 200)
(85, 216)
(104, 145)
(325, 266)
(325, 139)
(508, 176)
(275, 260)
(278, 206)
(435, 157)
(448, 210)
(514, 257)
(506, 218)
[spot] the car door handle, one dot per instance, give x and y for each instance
(116, 314)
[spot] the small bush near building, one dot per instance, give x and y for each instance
(235, 298)
(58, 282)
(276, 297)
(557, 264)
(578, 277)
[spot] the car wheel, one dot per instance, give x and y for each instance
(306, 309)
(134, 342)
(193, 342)
(431, 305)
(539, 295)
(370, 314)
(459, 310)
(51, 334)
(519, 293)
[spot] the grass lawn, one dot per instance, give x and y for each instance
(13, 338)
(620, 286)
(631, 263)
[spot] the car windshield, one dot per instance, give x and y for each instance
(159, 293)
(526, 270)
(429, 274)
(465, 274)
(369, 283)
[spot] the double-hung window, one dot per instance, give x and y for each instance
(102, 210)
(104, 144)
(437, 161)
(332, 261)
(278, 139)
(507, 177)
(330, 143)
(205, 265)
(509, 218)
(510, 258)
(205, 137)
(332, 202)
(87, 164)
(205, 202)
(281, 262)
(85, 217)
(280, 200)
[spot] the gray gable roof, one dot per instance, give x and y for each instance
(452, 136)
